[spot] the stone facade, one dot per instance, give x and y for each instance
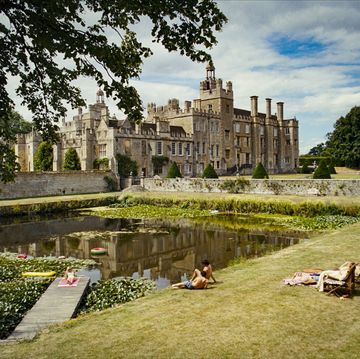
(300, 187)
(40, 184)
(207, 130)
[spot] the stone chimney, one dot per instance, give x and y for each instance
(254, 106)
(280, 111)
(268, 107)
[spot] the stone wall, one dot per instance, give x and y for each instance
(38, 184)
(302, 187)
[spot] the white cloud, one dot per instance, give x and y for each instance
(317, 88)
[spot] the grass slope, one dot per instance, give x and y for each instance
(249, 314)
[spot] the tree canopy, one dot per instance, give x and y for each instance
(49, 44)
(72, 160)
(343, 143)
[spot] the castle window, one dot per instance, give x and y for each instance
(237, 140)
(188, 149)
(288, 142)
(198, 147)
(248, 141)
(237, 127)
(227, 135)
(173, 148)
(102, 151)
(247, 128)
(210, 108)
(203, 148)
(159, 148)
(247, 158)
(197, 126)
(217, 164)
(275, 132)
(287, 130)
(217, 151)
(227, 154)
(262, 130)
(275, 143)
(212, 150)
(180, 149)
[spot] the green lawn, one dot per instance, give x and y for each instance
(249, 314)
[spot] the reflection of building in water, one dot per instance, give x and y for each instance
(160, 255)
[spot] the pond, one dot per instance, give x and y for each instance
(164, 250)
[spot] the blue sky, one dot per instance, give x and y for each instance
(304, 53)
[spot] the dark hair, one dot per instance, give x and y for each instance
(203, 273)
(205, 262)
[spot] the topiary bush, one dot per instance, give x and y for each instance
(43, 159)
(72, 160)
(306, 169)
(174, 171)
(322, 171)
(209, 172)
(260, 172)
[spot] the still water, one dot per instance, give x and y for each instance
(165, 251)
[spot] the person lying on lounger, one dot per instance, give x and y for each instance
(70, 275)
(198, 282)
(339, 274)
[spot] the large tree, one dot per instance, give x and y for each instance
(10, 125)
(344, 142)
(48, 44)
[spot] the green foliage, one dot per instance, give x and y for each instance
(11, 124)
(309, 160)
(306, 169)
(110, 183)
(174, 171)
(101, 163)
(158, 163)
(126, 166)
(18, 295)
(110, 293)
(322, 171)
(16, 298)
(209, 172)
(344, 142)
(260, 172)
(323, 222)
(72, 160)
(317, 150)
(75, 30)
(237, 186)
(43, 159)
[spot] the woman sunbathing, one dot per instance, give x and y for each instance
(70, 275)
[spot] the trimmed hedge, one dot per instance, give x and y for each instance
(209, 172)
(260, 172)
(322, 171)
(174, 171)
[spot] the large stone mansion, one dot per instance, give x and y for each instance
(207, 130)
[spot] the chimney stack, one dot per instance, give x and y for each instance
(280, 111)
(268, 107)
(254, 106)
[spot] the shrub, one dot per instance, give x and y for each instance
(209, 172)
(72, 160)
(43, 159)
(322, 171)
(237, 186)
(174, 171)
(126, 165)
(306, 169)
(158, 163)
(101, 163)
(260, 172)
(110, 183)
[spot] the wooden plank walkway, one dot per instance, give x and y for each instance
(56, 305)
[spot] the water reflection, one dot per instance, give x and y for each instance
(163, 250)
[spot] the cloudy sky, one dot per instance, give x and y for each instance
(304, 53)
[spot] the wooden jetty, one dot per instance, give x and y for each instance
(56, 305)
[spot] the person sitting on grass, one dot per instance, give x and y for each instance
(207, 269)
(70, 275)
(198, 282)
